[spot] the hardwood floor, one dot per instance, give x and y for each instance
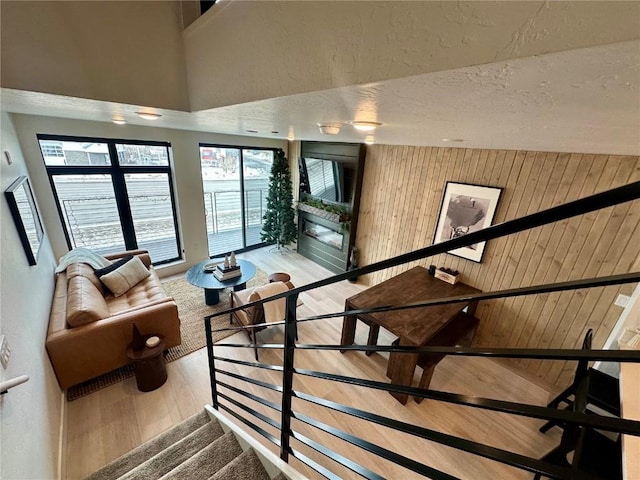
(108, 423)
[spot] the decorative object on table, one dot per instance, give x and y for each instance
(464, 209)
(152, 341)
(447, 275)
(221, 279)
(226, 261)
(210, 267)
(279, 227)
(223, 274)
(230, 269)
(432, 270)
(26, 217)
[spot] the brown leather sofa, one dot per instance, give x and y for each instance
(104, 323)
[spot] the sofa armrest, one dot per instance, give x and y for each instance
(143, 254)
(80, 353)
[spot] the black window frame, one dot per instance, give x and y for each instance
(242, 148)
(117, 173)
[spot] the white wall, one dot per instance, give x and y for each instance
(240, 51)
(126, 52)
(186, 164)
(31, 413)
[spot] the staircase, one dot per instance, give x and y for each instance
(197, 448)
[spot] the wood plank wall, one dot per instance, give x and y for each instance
(401, 196)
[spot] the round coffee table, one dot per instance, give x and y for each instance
(198, 277)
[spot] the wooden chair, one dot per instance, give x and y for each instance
(460, 331)
(250, 316)
(603, 391)
(593, 452)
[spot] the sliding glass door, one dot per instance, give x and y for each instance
(235, 182)
(113, 195)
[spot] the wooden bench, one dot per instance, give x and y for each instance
(458, 332)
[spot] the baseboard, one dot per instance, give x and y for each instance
(62, 440)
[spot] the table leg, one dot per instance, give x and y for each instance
(374, 330)
(404, 365)
(472, 307)
(211, 296)
(348, 328)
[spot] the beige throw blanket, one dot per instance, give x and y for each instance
(274, 311)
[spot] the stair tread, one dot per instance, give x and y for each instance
(167, 459)
(144, 452)
(243, 467)
(207, 461)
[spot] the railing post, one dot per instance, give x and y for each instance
(214, 209)
(212, 365)
(290, 336)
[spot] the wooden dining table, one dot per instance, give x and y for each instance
(414, 327)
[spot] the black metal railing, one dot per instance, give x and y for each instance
(289, 371)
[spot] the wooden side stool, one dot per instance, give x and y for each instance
(279, 277)
(149, 365)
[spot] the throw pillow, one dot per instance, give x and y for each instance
(125, 277)
(110, 268)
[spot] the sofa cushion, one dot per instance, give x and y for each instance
(146, 292)
(126, 276)
(115, 265)
(86, 271)
(85, 303)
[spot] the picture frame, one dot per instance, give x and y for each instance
(466, 208)
(26, 217)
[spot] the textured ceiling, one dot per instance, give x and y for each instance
(585, 100)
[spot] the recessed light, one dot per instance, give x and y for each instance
(149, 115)
(291, 138)
(119, 121)
(274, 131)
(457, 140)
(252, 131)
(329, 128)
(369, 140)
(365, 126)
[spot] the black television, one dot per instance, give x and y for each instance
(327, 180)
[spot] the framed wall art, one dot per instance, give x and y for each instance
(464, 209)
(25, 215)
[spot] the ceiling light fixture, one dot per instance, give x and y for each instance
(149, 115)
(329, 128)
(365, 126)
(119, 121)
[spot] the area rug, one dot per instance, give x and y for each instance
(191, 310)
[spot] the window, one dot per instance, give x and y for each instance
(236, 183)
(114, 195)
(51, 149)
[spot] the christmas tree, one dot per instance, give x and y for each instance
(278, 226)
